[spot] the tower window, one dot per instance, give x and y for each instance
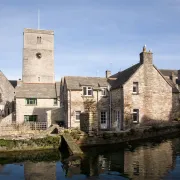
(39, 79)
(38, 40)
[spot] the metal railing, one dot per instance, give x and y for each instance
(36, 125)
(25, 126)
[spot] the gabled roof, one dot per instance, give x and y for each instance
(13, 83)
(76, 82)
(36, 90)
(174, 88)
(168, 72)
(3, 77)
(123, 76)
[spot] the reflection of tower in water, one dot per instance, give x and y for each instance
(40, 171)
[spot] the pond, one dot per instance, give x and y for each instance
(159, 159)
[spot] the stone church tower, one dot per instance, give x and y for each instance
(38, 56)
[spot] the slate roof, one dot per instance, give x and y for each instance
(123, 76)
(58, 88)
(168, 72)
(36, 90)
(174, 88)
(76, 82)
(13, 83)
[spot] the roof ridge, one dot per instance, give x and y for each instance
(84, 77)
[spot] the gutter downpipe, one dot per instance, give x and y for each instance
(70, 105)
(110, 114)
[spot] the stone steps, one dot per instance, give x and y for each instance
(73, 147)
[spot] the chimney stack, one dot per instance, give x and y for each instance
(173, 77)
(146, 57)
(108, 73)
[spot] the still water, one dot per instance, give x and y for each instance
(149, 161)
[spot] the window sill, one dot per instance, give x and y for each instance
(87, 96)
(77, 121)
(103, 96)
(31, 105)
(135, 122)
(135, 93)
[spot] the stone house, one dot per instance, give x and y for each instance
(78, 94)
(7, 95)
(137, 94)
(141, 93)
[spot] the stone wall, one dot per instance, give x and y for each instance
(7, 120)
(43, 105)
(7, 93)
(53, 116)
(76, 102)
(154, 99)
(117, 105)
(89, 122)
(34, 67)
(176, 106)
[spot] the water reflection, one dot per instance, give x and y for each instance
(147, 161)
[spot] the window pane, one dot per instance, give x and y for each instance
(84, 90)
(103, 117)
(135, 87)
(30, 118)
(78, 115)
(89, 92)
(135, 115)
(31, 101)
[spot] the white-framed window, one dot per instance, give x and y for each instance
(135, 88)
(78, 115)
(135, 116)
(87, 91)
(103, 91)
(32, 118)
(31, 101)
(103, 117)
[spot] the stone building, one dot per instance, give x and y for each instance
(37, 95)
(139, 93)
(7, 94)
(79, 94)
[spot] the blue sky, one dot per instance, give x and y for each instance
(92, 35)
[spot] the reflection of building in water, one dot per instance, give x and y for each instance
(149, 163)
(72, 168)
(40, 171)
(95, 165)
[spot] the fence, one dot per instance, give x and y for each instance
(27, 126)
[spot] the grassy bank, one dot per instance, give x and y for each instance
(48, 142)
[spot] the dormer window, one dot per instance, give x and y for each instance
(135, 88)
(103, 91)
(87, 91)
(38, 40)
